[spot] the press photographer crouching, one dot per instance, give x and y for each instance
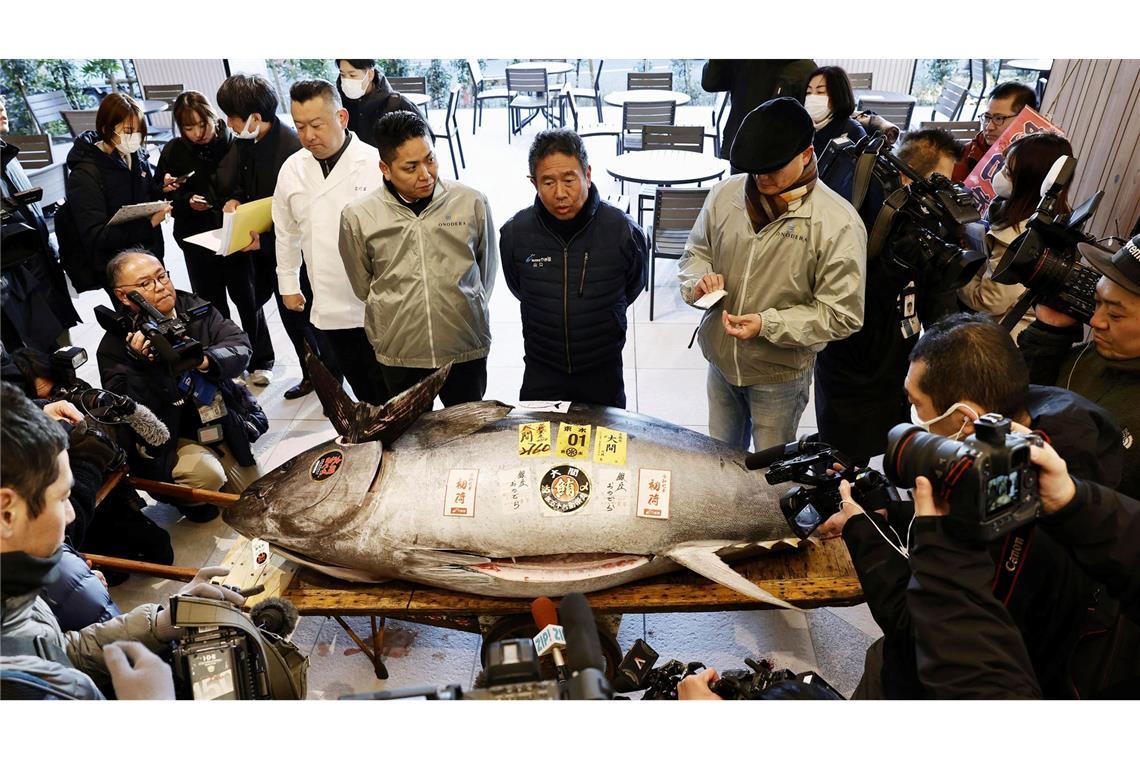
(1106, 369)
(963, 367)
(179, 356)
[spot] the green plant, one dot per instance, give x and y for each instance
(438, 82)
(393, 67)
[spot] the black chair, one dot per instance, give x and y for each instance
(533, 88)
(634, 116)
(412, 86)
(951, 101)
(583, 127)
(665, 137)
(861, 81)
(46, 107)
(963, 131)
(977, 76)
(898, 112)
(450, 130)
(675, 212)
(480, 92)
(167, 93)
(592, 93)
(35, 151)
(79, 122)
(649, 80)
(719, 107)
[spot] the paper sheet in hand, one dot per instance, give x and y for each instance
(134, 211)
(709, 300)
(255, 216)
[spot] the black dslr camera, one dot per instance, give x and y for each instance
(917, 223)
(169, 337)
(808, 463)
(19, 241)
(987, 479)
(230, 655)
(1044, 258)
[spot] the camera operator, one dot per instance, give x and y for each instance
(212, 420)
(963, 367)
(39, 660)
(1106, 369)
(37, 308)
(984, 655)
(852, 409)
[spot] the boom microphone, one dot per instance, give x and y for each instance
(551, 637)
(772, 454)
(111, 408)
(583, 651)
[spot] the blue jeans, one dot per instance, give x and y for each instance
(771, 412)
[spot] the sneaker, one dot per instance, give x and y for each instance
(261, 377)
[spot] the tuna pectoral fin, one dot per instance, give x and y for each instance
(359, 421)
(701, 558)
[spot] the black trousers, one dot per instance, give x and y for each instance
(467, 381)
(604, 385)
(211, 276)
(356, 358)
(298, 325)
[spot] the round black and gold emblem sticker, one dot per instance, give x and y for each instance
(565, 488)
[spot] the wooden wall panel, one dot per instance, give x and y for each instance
(1097, 103)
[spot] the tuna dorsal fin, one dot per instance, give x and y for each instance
(701, 557)
(359, 421)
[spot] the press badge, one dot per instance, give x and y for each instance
(908, 314)
(215, 410)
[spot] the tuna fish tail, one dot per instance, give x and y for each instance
(359, 421)
(701, 557)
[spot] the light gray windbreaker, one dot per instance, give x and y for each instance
(425, 280)
(804, 274)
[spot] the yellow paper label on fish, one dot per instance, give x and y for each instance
(609, 446)
(573, 441)
(534, 439)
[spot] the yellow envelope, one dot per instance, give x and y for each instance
(255, 216)
(609, 446)
(573, 441)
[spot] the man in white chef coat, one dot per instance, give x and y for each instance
(314, 185)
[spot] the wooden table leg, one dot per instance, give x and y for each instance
(373, 653)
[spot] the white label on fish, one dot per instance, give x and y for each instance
(558, 407)
(653, 488)
(517, 488)
(460, 492)
(615, 492)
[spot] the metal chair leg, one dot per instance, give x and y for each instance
(462, 160)
(474, 112)
(454, 163)
(652, 278)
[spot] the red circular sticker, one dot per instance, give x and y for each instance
(326, 465)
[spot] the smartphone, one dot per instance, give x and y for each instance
(183, 178)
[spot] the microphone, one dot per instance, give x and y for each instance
(111, 408)
(772, 454)
(583, 651)
(550, 636)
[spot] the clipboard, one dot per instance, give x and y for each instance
(255, 216)
(134, 211)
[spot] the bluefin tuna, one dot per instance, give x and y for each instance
(485, 498)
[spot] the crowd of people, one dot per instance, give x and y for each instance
(384, 271)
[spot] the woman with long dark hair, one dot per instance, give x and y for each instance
(831, 102)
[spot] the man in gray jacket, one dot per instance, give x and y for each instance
(421, 253)
(792, 256)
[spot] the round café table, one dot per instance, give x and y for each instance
(553, 68)
(150, 107)
(666, 167)
(872, 96)
(1041, 65)
(621, 97)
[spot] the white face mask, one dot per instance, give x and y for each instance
(1003, 188)
(353, 88)
(249, 131)
(925, 424)
(128, 144)
(818, 107)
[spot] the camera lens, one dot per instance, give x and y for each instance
(911, 452)
(956, 265)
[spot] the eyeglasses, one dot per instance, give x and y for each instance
(997, 118)
(150, 282)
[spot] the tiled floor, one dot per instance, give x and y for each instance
(663, 378)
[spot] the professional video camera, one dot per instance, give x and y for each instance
(917, 223)
(636, 673)
(810, 463)
(988, 480)
(169, 337)
(513, 672)
(19, 241)
(1044, 258)
(227, 654)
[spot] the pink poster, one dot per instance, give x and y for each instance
(1025, 123)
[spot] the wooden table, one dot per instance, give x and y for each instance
(620, 97)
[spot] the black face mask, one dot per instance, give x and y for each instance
(21, 573)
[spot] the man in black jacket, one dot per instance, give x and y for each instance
(212, 421)
(248, 173)
(575, 263)
(367, 96)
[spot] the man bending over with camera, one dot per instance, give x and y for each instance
(212, 420)
(1107, 368)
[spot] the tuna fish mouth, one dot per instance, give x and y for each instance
(559, 567)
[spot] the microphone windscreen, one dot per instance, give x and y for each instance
(583, 647)
(544, 612)
(149, 427)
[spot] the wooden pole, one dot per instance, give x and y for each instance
(186, 493)
(109, 484)
(171, 572)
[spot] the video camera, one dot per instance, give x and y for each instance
(230, 655)
(917, 223)
(169, 337)
(19, 241)
(1044, 258)
(988, 480)
(808, 463)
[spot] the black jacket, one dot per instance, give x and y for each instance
(574, 293)
(179, 157)
(98, 185)
(750, 82)
(848, 127)
(151, 384)
(364, 112)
